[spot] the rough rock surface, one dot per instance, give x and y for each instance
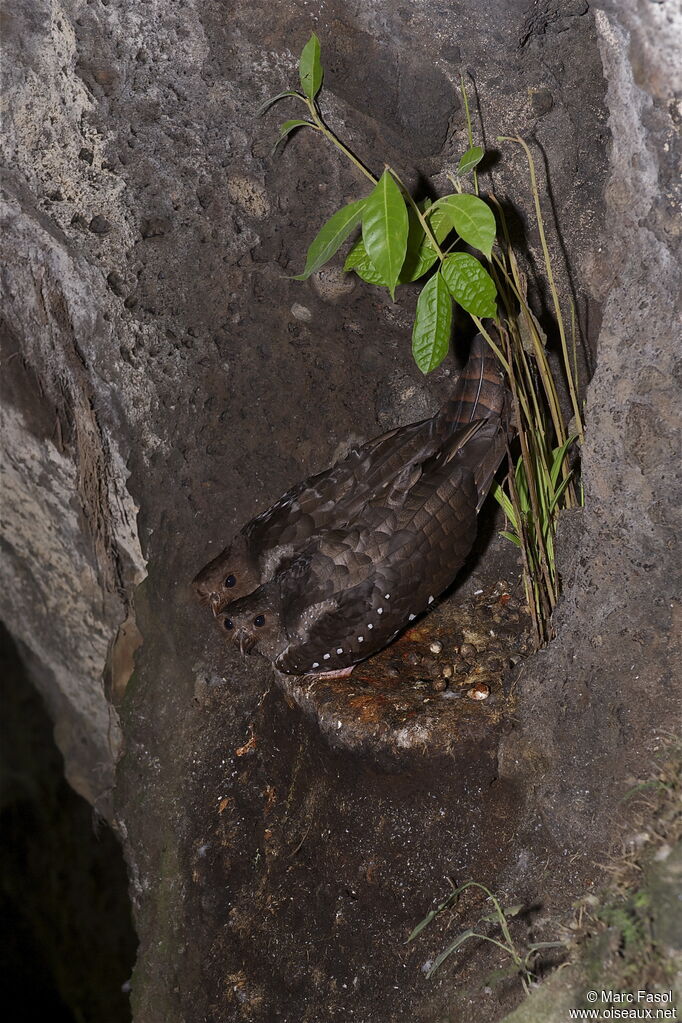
(159, 361)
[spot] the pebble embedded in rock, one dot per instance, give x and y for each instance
(333, 283)
(99, 225)
(116, 283)
(153, 227)
(436, 647)
(301, 312)
(468, 652)
(542, 102)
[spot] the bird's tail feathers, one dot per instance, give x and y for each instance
(491, 458)
(480, 391)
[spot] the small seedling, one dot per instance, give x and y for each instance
(521, 960)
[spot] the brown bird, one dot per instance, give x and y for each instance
(349, 591)
(336, 498)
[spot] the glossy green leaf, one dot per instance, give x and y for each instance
(385, 229)
(331, 236)
(358, 260)
(470, 284)
(472, 219)
(420, 255)
(310, 67)
(471, 159)
(432, 324)
(275, 99)
(289, 126)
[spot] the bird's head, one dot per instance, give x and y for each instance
(230, 576)
(254, 623)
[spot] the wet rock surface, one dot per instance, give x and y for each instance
(166, 381)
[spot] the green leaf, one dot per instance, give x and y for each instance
(432, 323)
(557, 496)
(510, 536)
(280, 95)
(330, 237)
(420, 255)
(358, 260)
(522, 488)
(289, 126)
(385, 229)
(472, 219)
(504, 502)
(494, 918)
(558, 455)
(431, 915)
(459, 940)
(471, 159)
(469, 284)
(310, 68)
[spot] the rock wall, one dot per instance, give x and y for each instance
(165, 380)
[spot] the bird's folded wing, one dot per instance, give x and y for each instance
(357, 591)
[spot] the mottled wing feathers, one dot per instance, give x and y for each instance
(332, 498)
(360, 589)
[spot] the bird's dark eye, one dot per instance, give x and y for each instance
(259, 620)
(230, 581)
(227, 622)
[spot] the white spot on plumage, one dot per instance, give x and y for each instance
(369, 625)
(339, 649)
(411, 618)
(380, 610)
(326, 657)
(387, 596)
(316, 664)
(361, 639)
(430, 600)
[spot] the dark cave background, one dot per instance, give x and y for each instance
(163, 380)
(67, 943)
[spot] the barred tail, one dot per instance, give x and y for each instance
(480, 391)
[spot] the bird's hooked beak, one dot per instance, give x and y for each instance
(244, 641)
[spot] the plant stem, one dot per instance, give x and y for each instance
(426, 227)
(550, 277)
(469, 127)
(336, 141)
